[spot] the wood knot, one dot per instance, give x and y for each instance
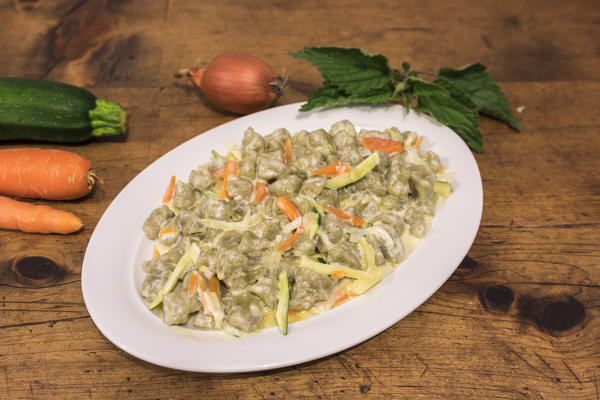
(561, 316)
(37, 270)
(553, 315)
(496, 297)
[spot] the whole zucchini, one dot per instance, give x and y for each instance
(50, 111)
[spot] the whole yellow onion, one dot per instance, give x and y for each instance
(238, 82)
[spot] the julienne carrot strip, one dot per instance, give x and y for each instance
(197, 280)
(332, 170)
(327, 170)
(210, 296)
(387, 145)
(202, 283)
(260, 191)
(155, 252)
(288, 150)
(289, 242)
(213, 285)
(218, 173)
(343, 168)
(338, 274)
(338, 296)
(290, 211)
(193, 283)
(230, 169)
(168, 230)
(343, 296)
(418, 142)
(287, 207)
(345, 215)
(27, 217)
(169, 193)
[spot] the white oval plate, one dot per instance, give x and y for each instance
(111, 274)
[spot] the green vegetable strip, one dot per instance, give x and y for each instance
(188, 258)
(329, 269)
(248, 222)
(367, 253)
(282, 304)
(443, 188)
(355, 174)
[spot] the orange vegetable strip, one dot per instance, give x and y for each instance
(343, 168)
(202, 283)
(168, 230)
(155, 252)
(45, 174)
(332, 170)
(345, 215)
(418, 142)
(338, 274)
(387, 145)
(288, 150)
(169, 193)
(218, 173)
(213, 285)
(230, 169)
(27, 217)
(287, 207)
(341, 297)
(193, 283)
(212, 306)
(210, 297)
(328, 170)
(260, 191)
(289, 242)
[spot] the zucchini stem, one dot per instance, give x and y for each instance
(108, 119)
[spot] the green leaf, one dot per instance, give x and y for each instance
(421, 88)
(331, 96)
(483, 92)
(455, 91)
(452, 113)
(352, 70)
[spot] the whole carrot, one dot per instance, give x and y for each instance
(27, 217)
(45, 174)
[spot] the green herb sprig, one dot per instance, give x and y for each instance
(455, 97)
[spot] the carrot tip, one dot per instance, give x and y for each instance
(169, 193)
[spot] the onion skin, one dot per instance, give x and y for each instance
(239, 83)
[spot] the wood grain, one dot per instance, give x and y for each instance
(517, 320)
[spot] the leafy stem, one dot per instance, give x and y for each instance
(453, 97)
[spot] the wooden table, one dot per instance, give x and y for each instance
(518, 318)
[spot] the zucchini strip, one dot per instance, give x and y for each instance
(282, 304)
(188, 258)
(245, 224)
(334, 270)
